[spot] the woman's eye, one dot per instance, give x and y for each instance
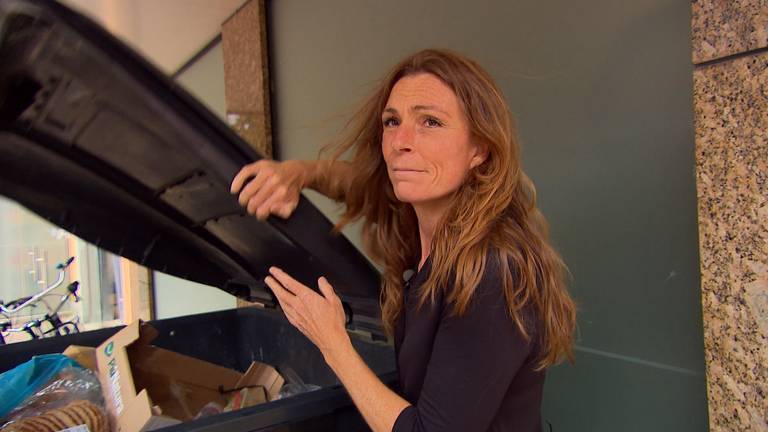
(430, 122)
(391, 121)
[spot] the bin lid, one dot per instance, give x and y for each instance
(98, 141)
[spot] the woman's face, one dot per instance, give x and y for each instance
(426, 142)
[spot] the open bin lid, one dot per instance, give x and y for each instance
(96, 140)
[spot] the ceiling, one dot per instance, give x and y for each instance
(167, 32)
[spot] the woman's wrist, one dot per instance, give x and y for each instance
(339, 355)
(308, 174)
(326, 177)
(299, 170)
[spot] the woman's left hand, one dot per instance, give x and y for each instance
(319, 317)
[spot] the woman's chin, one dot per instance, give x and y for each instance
(416, 199)
(407, 196)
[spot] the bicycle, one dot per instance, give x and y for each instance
(35, 327)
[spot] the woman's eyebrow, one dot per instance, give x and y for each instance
(429, 108)
(419, 108)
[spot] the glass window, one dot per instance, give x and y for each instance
(111, 290)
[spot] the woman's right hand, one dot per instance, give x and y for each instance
(268, 187)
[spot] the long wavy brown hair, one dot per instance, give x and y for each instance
(493, 212)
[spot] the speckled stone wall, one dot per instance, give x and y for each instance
(246, 79)
(726, 27)
(731, 123)
(246, 75)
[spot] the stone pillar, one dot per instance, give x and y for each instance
(246, 79)
(730, 54)
(246, 75)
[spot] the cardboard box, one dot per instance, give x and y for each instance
(147, 387)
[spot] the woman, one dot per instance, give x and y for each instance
(435, 175)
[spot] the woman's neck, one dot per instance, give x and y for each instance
(428, 216)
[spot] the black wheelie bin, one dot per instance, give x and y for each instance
(97, 141)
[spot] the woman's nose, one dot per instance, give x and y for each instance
(403, 139)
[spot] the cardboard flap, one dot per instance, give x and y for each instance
(147, 334)
(158, 361)
(84, 356)
(182, 400)
(137, 411)
(179, 384)
(260, 374)
(115, 370)
(138, 415)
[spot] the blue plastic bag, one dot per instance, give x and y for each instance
(27, 378)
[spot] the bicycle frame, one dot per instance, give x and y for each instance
(33, 300)
(34, 327)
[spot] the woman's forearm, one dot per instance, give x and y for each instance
(330, 178)
(379, 405)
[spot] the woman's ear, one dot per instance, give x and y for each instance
(480, 156)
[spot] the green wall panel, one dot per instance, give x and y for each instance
(602, 94)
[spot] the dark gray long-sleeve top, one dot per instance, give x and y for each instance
(469, 373)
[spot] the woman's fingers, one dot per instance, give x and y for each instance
(285, 210)
(326, 289)
(240, 177)
(260, 202)
(262, 187)
(243, 175)
(330, 295)
(267, 187)
(272, 202)
(292, 285)
(284, 296)
(250, 189)
(320, 317)
(253, 198)
(288, 304)
(294, 317)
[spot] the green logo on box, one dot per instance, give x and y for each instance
(109, 348)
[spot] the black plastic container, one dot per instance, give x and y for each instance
(234, 338)
(99, 142)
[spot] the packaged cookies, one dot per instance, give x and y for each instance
(77, 413)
